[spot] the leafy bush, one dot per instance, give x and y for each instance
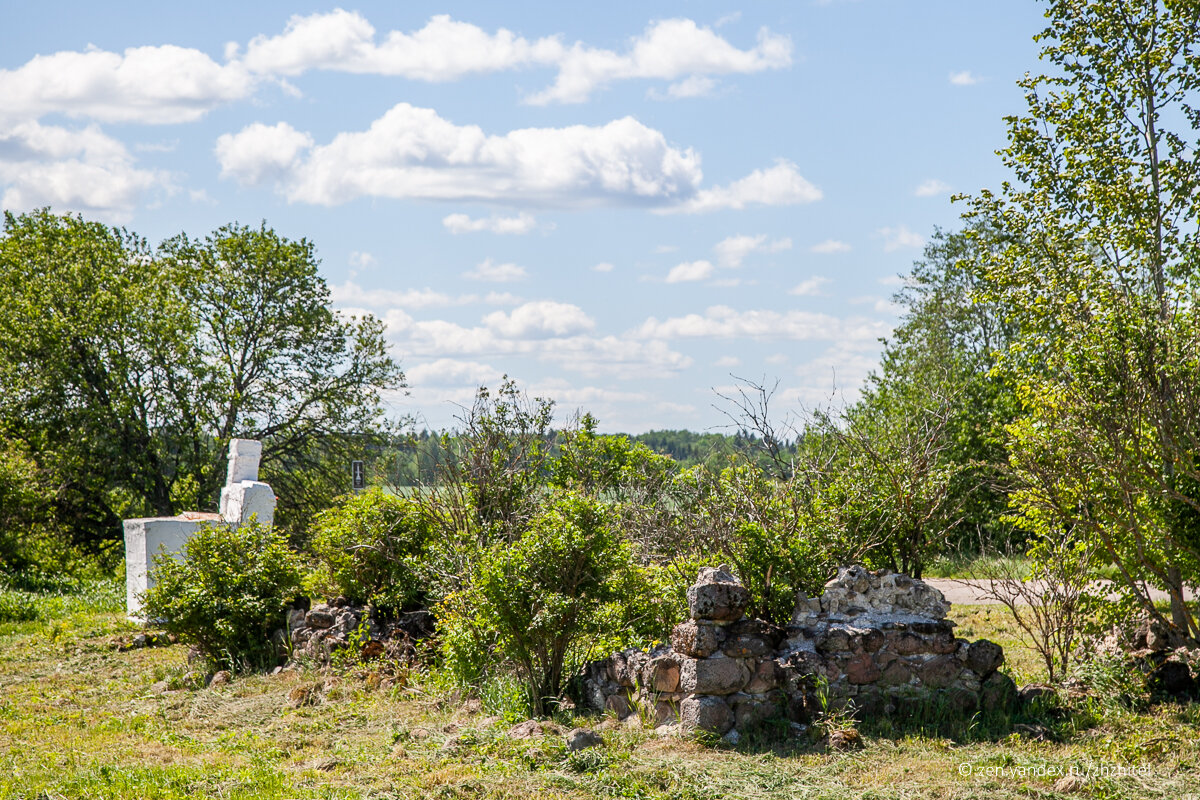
(228, 592)
(369, 549)
(535, 603)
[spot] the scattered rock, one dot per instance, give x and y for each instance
(1038, 733)
(161, 687)
(581, 739)
(1036, 693)
(845, 739)
(221, 678)
(302, 696)
(525, 730)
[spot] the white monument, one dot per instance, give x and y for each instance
(243, 498)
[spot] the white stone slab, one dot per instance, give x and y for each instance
(146, 539)
(241, 502)
(244, 458)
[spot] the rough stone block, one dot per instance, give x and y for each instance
(765, 677)
(145, 540)
(939, 672)
(661, 674)
(721, 601)
(706, 714)
(697, 638)
(863, 670)
(984, 657)
(713, 675)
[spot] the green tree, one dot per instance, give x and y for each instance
(125, 371)
(1100, 275)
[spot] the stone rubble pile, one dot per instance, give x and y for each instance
(320, 631)
(874, 642)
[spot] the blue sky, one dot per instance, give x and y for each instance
(620, 204)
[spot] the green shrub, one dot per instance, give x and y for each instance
(228, 593)
(369, 548)
(539, 602)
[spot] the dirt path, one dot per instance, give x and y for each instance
(970, 592)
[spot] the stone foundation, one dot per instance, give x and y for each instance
(874, 642)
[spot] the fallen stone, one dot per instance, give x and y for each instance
(221, 678)
(984, 657)
(581, 739)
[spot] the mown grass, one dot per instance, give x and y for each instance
(79, 718)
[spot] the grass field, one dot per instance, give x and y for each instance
(80, 718)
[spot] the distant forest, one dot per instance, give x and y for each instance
(416, 460)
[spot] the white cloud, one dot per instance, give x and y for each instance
(412, 152)
(732, 251)
(488, 270)
(72, 170)
(540, 319)
(779, 185)
(452, 372)
(932, 188)
(899, 237)
(362, 260)
(154, 85)
(623, 357)
(670, 49)
(603, 266)
(810, 287)
(501, 299)
(690, 271)
(727, 361)
(693, 86)
(261, 153)
(666, 248)
(461, 223)
(443, 50)
(964, 78)
(727, 323)
(830, 246)
(351, 293)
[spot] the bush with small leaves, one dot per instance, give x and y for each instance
(369, 548)
(228, 592)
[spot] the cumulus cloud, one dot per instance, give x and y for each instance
(671, 49)
(723, 322)
(352, 294)
(261, 153)
(810, 287)
(540, 319)
(489, 270)
(732, 251)
(830, 246)
(964, 78)
(898, 237)
(412, 152)
(779, 185)
(461, 223)
(932, 188)
(532, 333)
(154, 85)
(72, 170)
(690, 271)
(443, 50)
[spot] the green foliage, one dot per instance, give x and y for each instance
(126, 370)
(1099, 275)
(370, 548)
(228, 593)
(613, 467)
(540, 600)
(780, 537)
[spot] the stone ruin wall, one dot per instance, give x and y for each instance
(873, 642)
